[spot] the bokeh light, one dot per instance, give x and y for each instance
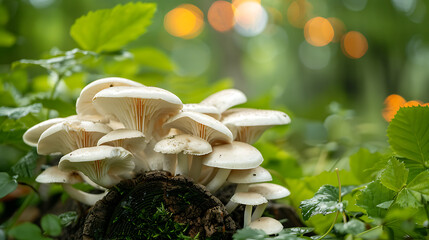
(237, 3)
(315, 58)
(339, 29)
(318, 31)
(192, 58)
(185, 21)
(394, 101)
(297, 13)
(354, 45)
(221, 16)
(250, 18)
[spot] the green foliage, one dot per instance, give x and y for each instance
(110, 29)
(366, 165)
(27, 231)
(353, 227)
(373, 195)
(51, 225)
(20, 112)
(256, 234)
(26, 166)
(325, 201)
(7, 184)
(67, 218)
(395, 175)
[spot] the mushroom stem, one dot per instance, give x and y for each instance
(139, 159)
(218, 180)
(259, 210)
(195, 171)
(182, 165)
(83, 197)
(231, 206)
(247, 215)
(170, 163)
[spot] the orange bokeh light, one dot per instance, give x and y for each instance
(221, 16)
(354, 45)
(339, 28)
(298, 12)
(394, 101)
(318, 31)
(185, 21)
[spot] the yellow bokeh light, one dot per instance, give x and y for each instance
(354, 45)
(237, 3)
(185, 21)
(221, 16)
(318, 31)
(298, 12)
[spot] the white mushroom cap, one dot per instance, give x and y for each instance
(254, 175)
(225, 99)
(248, 198)
(55, 175)
(84, 102)
(69, 135)
(139, 108)
(237, 155)
(212, 111)
(200, 125)
(32, 135)
(268, 225)
(247, 125)
(121, 137)
(270, 190)
(184, 143)
(104, 165)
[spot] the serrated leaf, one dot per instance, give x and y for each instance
(414, 167)
(7, 184)
(374, 194)
(111, 29)
(67, 218)
(353, 227)
(366, 165)
(385, 205)
(19, 112)
(325, 201)
(395, 175)
(420, 183)
(51, 225)
(409, 198)
(25, 167)
(408, 133)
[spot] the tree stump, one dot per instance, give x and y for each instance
(158, 205)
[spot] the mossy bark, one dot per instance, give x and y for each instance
(158, 205)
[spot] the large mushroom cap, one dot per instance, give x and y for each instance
(254, 175)
(212, 111)
(104, 165)
(200, 125)
(32, 135)
(267, 224)
(248, 198)
(84, 102)
(139, 108)
(237, 155)
(184, 143)
(270, 190)
(247, 125)
(70, 135)
(55, 175)
(225, 99)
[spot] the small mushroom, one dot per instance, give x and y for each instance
(249, 199)
(67, 179)
(84, 102)
(70, 135)
(104, 165)
(32, 135)
(236, 155)
(200, 125)
(244, 178)
(270, 191)
(225, 99)
(269, 225)
(205, 109)
(247, 125)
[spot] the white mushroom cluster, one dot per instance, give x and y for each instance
(123, 128)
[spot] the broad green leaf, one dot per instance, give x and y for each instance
(408, 133)
(249, 233)
(385, 205)
(111, 29)
(414, 168)
(420, 183)
(67, 218)
(325, 201)
(374, 194)
(409, 198)
(395, 175)
(366, 165)
(26, 231)
(7, 184)
(7, 39)
(51, 225)
(63, 108)
(353, 227)
(25, 167)
(11, 136)
(153, 58)
(17, 113)
(298, 230)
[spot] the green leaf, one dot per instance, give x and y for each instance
(7, 39)
(25, 167)
(414, 167)
(153, 58)
(374, 194)
(7, 184)
(366, 165)
(26, 231)
(385, 205)
(63, 108)
(325, 201)
(353, 227)
(68, 218)
(408, 133)
(420, 183)
(51, 225)
(409, 198)
(395, 175)
(111, 29)
(298, 230)
(249, 233)
(17, 113)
